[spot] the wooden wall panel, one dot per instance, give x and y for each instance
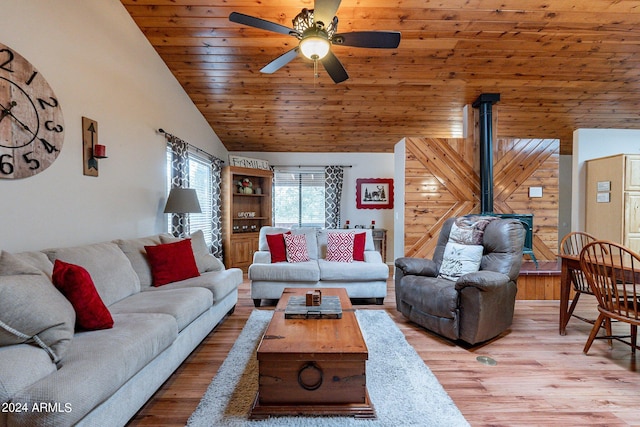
(442, 181)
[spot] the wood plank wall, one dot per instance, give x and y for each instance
(442, 181)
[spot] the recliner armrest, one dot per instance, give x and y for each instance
(484, 280)
(417, 266)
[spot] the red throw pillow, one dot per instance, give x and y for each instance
(172, 262)
(277, 247)
(358, 246)
(75, 283)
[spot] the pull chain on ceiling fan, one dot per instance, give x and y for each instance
(316, 38)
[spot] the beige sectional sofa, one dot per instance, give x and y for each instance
(52, 375)
(361, 279)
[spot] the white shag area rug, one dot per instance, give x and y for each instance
(403, 390)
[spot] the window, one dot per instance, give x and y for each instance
(200, 179)
(298, 198)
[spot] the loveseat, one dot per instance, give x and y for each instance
(363, 277)
(468, 290)
(56, 373)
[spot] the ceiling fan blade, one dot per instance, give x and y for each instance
(252, 21)
(325, 10)
(280, 61)
(334, 68)
(374, 39)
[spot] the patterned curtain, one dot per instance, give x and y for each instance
(216, 193)
(333, 177)
(179, 179)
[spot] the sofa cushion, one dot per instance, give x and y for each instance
(108, 266)
(356, 271)
(459, 260)
(286, 272)
(76, 285)
(296, 245)
(22, 365)
(32, 310)
(96, 366)
(204, 260)
(185, 304)
(137, 255)
(440, 301)
(340, 247)
(309, 233)
(38, 260)
(219, 283)
(171, 262)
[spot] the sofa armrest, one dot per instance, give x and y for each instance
(417, 266)
(372, 256)
(484, 280)
(262, 257)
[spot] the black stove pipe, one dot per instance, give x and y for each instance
(484, 104)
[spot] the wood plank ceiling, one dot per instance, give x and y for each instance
(559, 65)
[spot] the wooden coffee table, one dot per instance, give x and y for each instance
(313, 366)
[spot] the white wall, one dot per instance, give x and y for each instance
(363, 165)
(100, 66)
(592, 144)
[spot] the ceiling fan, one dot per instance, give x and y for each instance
(316, 29)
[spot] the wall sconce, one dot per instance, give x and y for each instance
(91, 150)
(181, 202)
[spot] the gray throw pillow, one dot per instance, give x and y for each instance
(32, 310)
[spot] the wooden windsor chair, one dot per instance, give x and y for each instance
(613, 273)
(572, 244)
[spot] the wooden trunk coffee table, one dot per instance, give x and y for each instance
(313, 366)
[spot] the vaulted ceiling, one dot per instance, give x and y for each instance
(559, 65)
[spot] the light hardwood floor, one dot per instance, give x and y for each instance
(541, 378)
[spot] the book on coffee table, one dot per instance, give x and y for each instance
(329, 308)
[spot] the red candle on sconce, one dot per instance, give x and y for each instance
(100, 151)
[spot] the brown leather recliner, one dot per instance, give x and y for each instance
(479, 305)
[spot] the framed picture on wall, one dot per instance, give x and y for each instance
(374, 193)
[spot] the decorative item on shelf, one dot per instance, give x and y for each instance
(258, 190)
(254, 227)
(183, 201)
(373, 224)
(346, 224)
(245, 186)
(91, 150)
(246, 215)
(313, 298)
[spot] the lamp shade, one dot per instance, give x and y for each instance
(314, 47)
(182, 200)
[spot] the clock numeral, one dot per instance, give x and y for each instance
(48, 146)
(44, 104)
(33, 76)
(6, 167)
(33, 163)
(8, 61)
(50, 126)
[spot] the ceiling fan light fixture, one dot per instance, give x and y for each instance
(314, 47)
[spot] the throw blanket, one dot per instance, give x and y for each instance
(469, 230)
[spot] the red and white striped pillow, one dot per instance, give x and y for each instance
(296, 247)
(340, 247)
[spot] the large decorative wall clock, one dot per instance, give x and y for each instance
(31, 123)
